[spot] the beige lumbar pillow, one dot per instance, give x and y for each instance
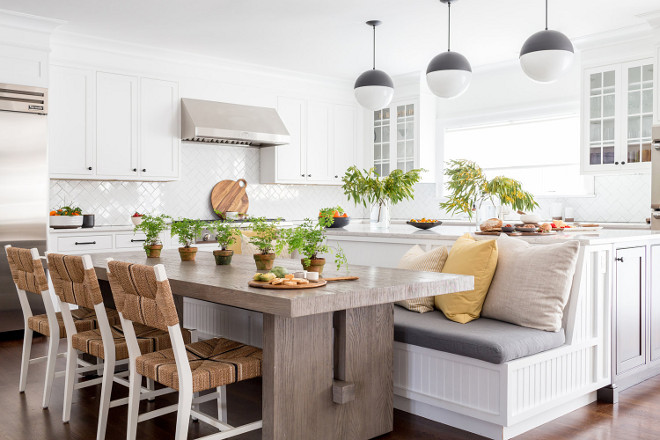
(532, 283)
(418, 259)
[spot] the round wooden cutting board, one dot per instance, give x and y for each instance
(230, 195)
(265, 285)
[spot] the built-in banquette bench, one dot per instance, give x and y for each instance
(498, 379)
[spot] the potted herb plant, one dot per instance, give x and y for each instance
(308, 238)
(186, 231)
(368, 188)
(152, 226)
(267, 239)
(469, 189)
(226, 235)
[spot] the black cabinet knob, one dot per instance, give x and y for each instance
(616, 163)
(144, 170)
(623, 163)
(302, 175)
(336, 177)
(309, 175)
(135, 170)
(89, 168)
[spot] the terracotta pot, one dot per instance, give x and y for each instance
(264, 261)
(153, 251)
(315, 265)
(223, 258)
(187, 253)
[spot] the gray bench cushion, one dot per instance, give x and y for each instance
(485, 339)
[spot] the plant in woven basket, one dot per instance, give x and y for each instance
(152, 226)
(469, 188)
(309, 239)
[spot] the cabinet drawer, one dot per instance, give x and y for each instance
(129, 240)
(83, 243)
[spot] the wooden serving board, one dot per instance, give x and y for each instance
(341, 279)
(497, 233)
(230, 195)
(267, 285)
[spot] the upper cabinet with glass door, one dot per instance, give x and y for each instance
(617, 115)
(395, 138)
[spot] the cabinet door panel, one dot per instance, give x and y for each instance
(319, 140)
(291, 157)
(116, 124)
(654, 305)
(344, 121)
(630, 308)
(159, 128)
(71, 121)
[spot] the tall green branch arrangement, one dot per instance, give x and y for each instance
(468, 187)
(367, 187)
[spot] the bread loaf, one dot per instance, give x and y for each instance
(490, 224)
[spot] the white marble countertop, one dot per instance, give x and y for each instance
(452, 232)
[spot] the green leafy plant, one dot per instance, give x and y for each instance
(267, 236)
(187, 230)
(308, 238)
(469, 187)
(225, 233)
(152, 226)
(367, 187)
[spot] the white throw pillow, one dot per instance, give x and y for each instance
(532, 283)
(418, 259)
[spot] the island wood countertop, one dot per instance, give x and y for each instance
(204, 280)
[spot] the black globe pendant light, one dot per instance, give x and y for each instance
(374, 88)
(449, 73)
(547, 54)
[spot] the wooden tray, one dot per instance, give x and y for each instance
(517, 234)
(497, 233)
(230, 195)
(267, 285)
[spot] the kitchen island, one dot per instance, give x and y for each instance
(327, 361)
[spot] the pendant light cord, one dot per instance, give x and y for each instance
(374, 51)
(546, 15)
(449, 26)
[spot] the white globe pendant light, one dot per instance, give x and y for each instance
(449, 73)
(547, 54)
(374, 88)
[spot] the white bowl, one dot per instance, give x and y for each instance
(66, 221)
(136, 220)
(530, 218)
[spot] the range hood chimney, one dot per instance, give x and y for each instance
(231, 124)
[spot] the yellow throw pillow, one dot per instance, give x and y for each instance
(417, 259)
(468, 257)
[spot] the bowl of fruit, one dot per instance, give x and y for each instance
(66, 217)
(337, 215)
(424, 223)
(136, 218)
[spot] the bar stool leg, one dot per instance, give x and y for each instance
(25, 360)
(69, 382)
(135, 383)
(183, 416)
(222, 404)
(151, 386)
(53, 343)
(106, 392)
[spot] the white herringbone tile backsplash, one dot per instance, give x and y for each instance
(623, 198)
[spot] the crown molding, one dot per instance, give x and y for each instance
(19, 20)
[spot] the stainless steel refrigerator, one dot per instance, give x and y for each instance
(23, 187)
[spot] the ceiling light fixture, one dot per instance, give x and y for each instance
(374, 88)
(449, 73)
(546, 55)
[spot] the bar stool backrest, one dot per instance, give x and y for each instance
(140, 296)
(26, 269)
(72, 282)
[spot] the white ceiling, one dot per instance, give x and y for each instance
(329, 37)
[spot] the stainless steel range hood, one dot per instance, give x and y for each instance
(233, 124)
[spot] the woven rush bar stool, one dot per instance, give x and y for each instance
(143, 296)
(75, 283)
(29, 276)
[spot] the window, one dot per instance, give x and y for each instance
(543, 154)
(394, 138)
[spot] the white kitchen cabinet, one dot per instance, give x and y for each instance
(71, 115)
(117, 124)
(322, 147)
(159, 129)
(108, 126)
(395, 137)
(617, 115)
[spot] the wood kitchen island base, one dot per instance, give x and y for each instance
(304, 357)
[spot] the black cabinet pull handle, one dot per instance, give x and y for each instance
(84, 242)
(89, 168)
(619, 259)
(144, 170)
(136, 240)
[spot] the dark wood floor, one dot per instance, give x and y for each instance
(21, 417)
